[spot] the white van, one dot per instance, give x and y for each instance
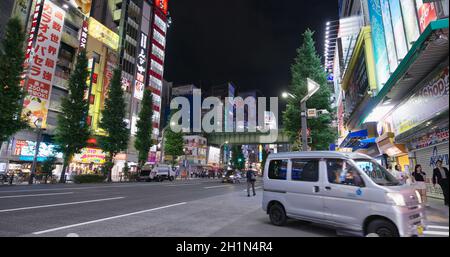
(347, 191)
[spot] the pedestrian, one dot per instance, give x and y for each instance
(440, 176)
(11, 178)
(419, 178)
(251, 179)
(399, 174)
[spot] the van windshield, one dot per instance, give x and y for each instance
(376, 172)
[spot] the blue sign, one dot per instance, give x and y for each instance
(330, 77)
(359, 192)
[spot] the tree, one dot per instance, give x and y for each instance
(308, 65)
(12, 57)
(174, 144)
(113, 122)
(237, 158)
(265, 154)
(47, 167)
(144, 128)
(72, 130)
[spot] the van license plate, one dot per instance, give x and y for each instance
(420, 230)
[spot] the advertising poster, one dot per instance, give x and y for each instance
(43, 63)
(423, 105)
(103, 34)
(426, 13)
(90, 155)
(111, 62)
(25, 149)
(379, 43)
(399, 30)
(83, 5)
(410, 21)
(389, 35)
(163, 5)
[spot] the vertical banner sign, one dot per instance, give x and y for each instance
(141, 68)
(426, 13)
(111, 63)
(399, 30)
(43, 63)
(410, 21)
(84, 35)
(379, 43)
(389, 34)
(33, 30)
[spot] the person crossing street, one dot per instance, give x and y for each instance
(251, 179)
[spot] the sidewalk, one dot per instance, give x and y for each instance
(437, 212)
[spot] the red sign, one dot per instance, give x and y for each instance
(84, 34)
(162, 5)
(42, 60)
(427, 14)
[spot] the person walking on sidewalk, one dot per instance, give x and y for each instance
(440, 176)
(251, 179)
(419, 177)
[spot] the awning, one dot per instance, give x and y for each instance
(353, 139)
(366, 143)
(430, 49)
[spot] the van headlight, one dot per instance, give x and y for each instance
(419, 197)
(396, 199)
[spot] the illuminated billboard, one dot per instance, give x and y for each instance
(103, 34)
(83, 5)
(43, 56)
(162, 5)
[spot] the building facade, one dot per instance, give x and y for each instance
(393, 82)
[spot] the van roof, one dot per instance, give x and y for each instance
(318, 154)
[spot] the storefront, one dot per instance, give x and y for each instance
(89, 161)
(421, 123)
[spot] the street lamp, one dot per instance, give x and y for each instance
(313, 87)
(38, 125)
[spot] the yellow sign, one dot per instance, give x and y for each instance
(103, 34)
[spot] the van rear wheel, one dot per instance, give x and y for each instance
(382, 228)
(277, 215)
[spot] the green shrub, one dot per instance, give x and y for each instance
(89, 178)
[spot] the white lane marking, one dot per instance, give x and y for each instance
(60, 204)
(436, 233)
(437, 227)
(77, 188)
(17, 196)
(216, 186)
(105, 219)
(256, 188)
(182, 185)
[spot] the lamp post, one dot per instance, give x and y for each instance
(313, 87)
(38, 124)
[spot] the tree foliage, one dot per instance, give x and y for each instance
(12, 57)
(72, 130)
(307, 64)
(113, 122)
(174, 144)
(144, 128)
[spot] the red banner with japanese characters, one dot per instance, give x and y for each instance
(42, 63)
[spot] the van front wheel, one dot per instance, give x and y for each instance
(382, 228)
(277, 215)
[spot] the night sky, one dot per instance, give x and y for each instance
(251, 43)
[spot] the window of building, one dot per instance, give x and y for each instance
(305, 170)
(278, 169)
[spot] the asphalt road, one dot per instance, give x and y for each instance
(182, 208)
